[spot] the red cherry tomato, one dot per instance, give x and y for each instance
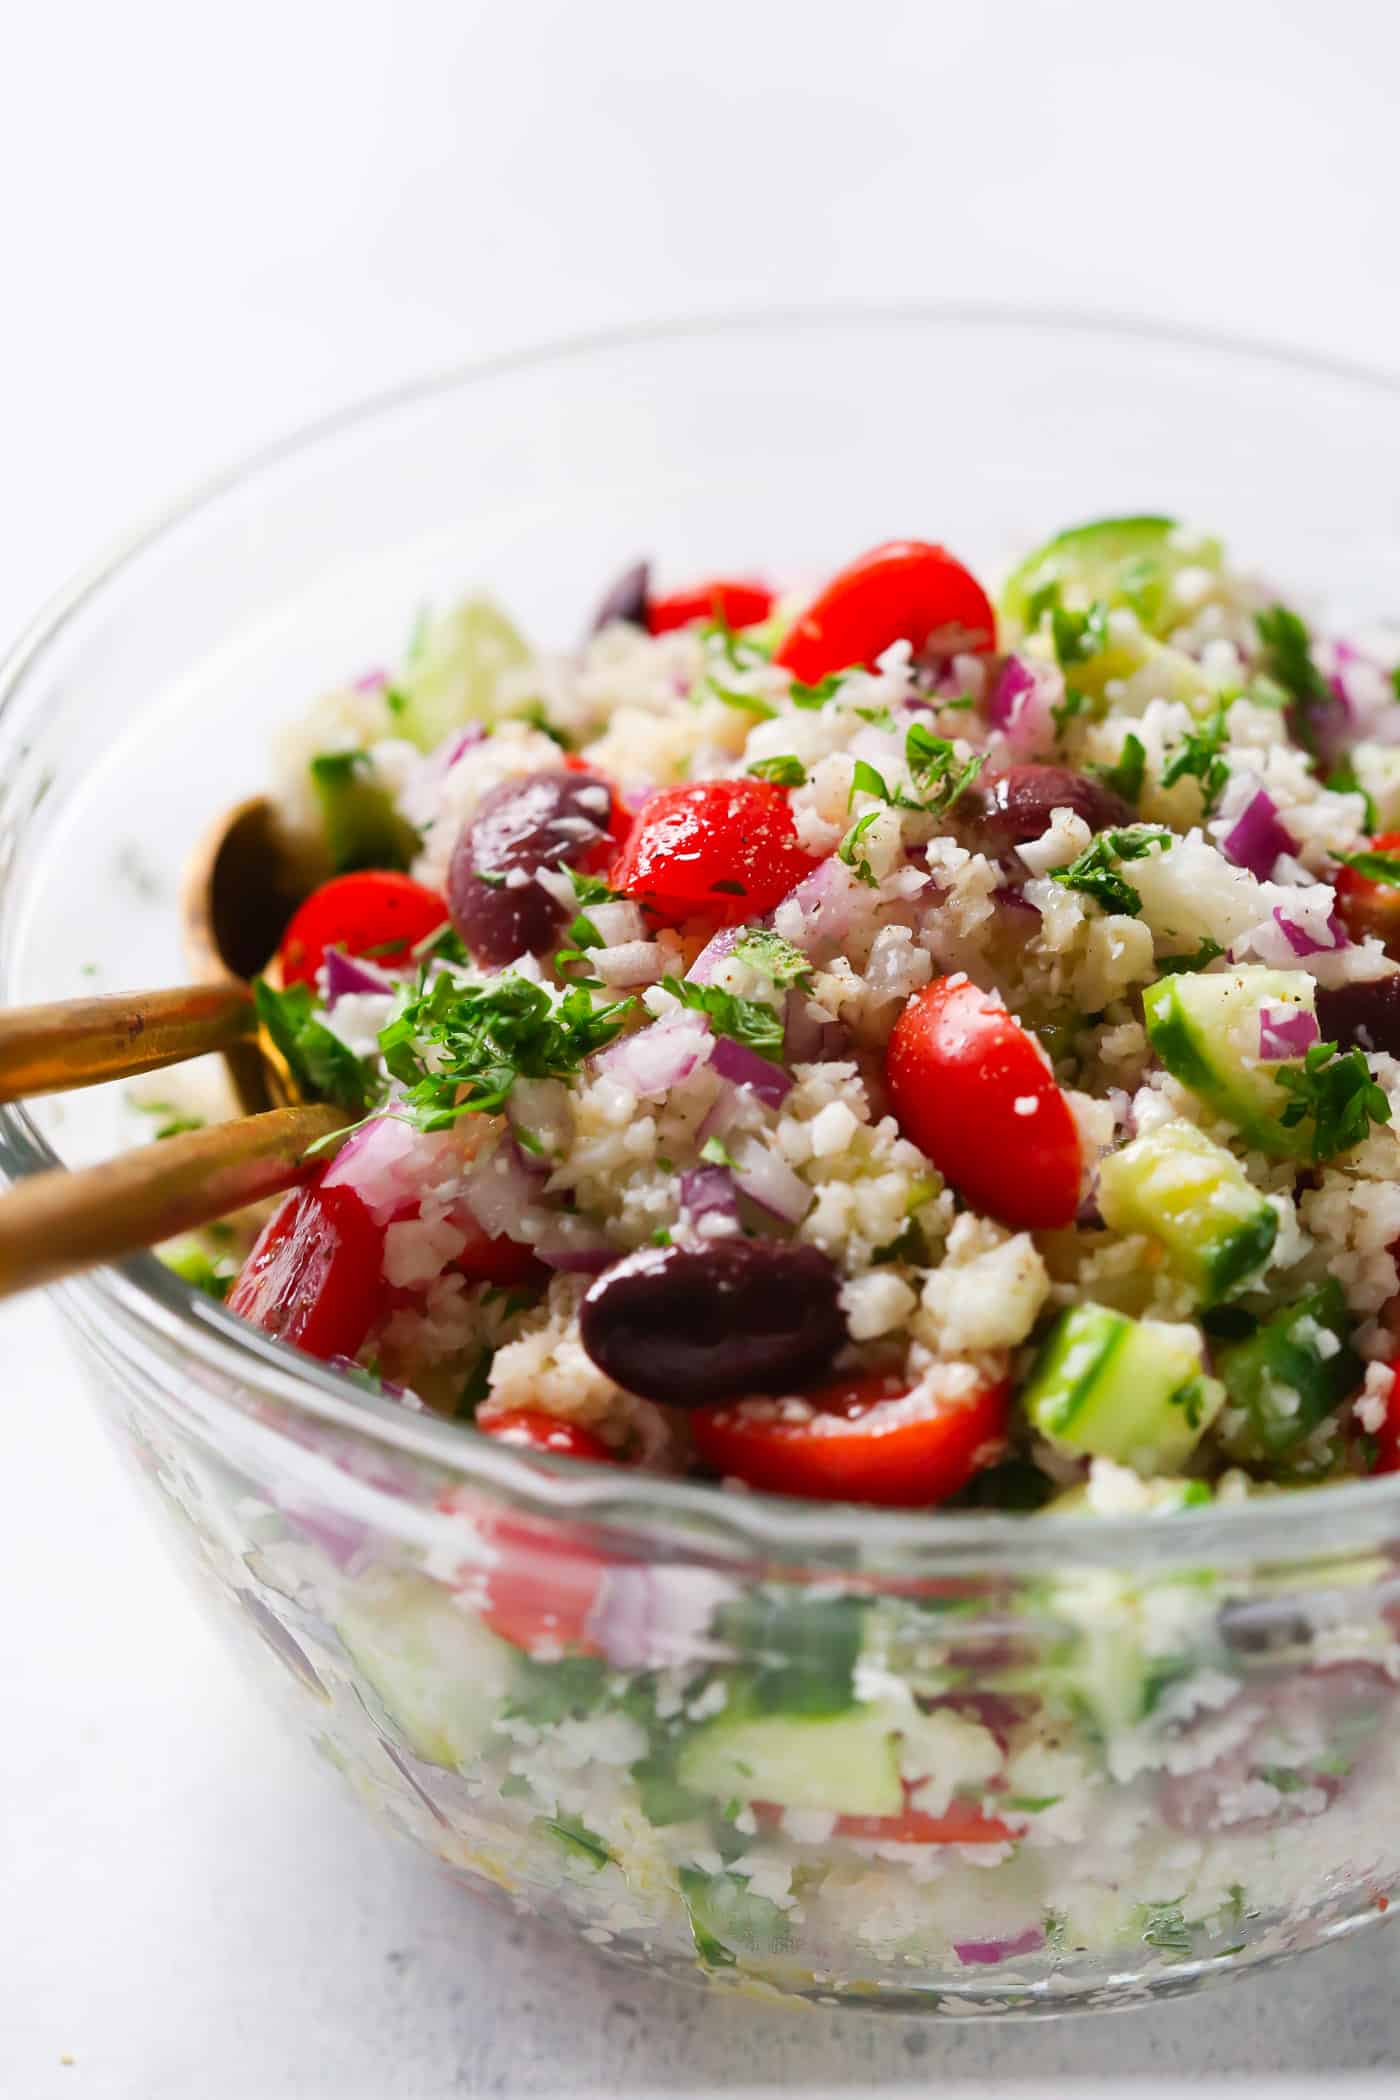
(1387, 1437)
(972, 1089)
(1367, 907)
(378, 914)
(737, 604)
(313, 1277)
(905, 590)
(543, 1584)
(724, 850)
(961, 1823)
(600, 857)
(500, 1260)
(863, 1440)
(530, 1429)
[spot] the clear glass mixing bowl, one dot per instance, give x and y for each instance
(1208, 1699)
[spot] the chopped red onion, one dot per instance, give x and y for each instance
(742, 1066)
(709, 1192)
(974, 1953)
(1013, 899)
(809, 1037)
(657, 1058)
(658, 1618)
(829, 900)
(713, 953)
(1257, 838)
(387, 1162)
(586, 1252)
(1286, 1032)
(346, 973)
(499, 1188)
(371, 681)
(1020, 705)
(771, 1183)
(1304, 943)
(459, 744)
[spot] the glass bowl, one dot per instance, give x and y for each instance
(1137, 1755)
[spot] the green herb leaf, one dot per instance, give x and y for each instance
(1078, 636)
(1197, 757)
(1339, 1094)
(848, 850)
(459, 1049)
(788, 772)
(939, 780)
(1126, 777)
(716, 1153)
(575, 1836)
(1177, 965)
(1342, 780)
(745, 703)
(322, 1066)
(866, 781)
(1094, 874)
(815, 695)
(748, 1021)
(1375, 866)
(722, 1910)
(1164, 1927)
(803, 1647)
(1288, 661)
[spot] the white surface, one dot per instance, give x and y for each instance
(215, 225)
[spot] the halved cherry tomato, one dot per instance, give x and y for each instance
(376, 913)
(1387, 1437)
(861, 1439)
(543, 1584)
(737, 604)
(904, 590)
(973, 1090)
(313, 1277)
(600, 856)
(530, 1429)
(1367, 907)
(724, 850)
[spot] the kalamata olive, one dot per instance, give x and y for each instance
(541, 820)
(687, 1325)
(627, 599)
(1018, 804)
(1365, 1014)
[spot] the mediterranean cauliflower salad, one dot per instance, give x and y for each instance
(884, 1045)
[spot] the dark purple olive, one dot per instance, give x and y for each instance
(1365, 1015)
(686, 1325)
(1018, 804)
(627, 600)
(541, 820)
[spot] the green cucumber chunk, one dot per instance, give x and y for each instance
(359, 822)
(1106, 1386)
(1288, 1376)
(439, 1674)
(455, 670)
(1179, 1187)
(1132, 562)
(844, 1763)
(1206, 1032)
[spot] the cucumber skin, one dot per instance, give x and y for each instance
(1216, 1258)
(843, 1762)
(1172, 1035)
(1237, 1258)
(1322, 1383)
(1087, 1351)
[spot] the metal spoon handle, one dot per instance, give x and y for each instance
(55, 1224)
(77, 1042)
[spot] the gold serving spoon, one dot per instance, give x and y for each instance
(242, 887)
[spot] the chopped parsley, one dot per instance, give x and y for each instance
(849, 850)
(770, 954)
(1342, 780)
(745, 703)
(322, 1066)
(1068, 709)
(1126, 777)
(815, 695)
(588, 889)
(749, 1021)
(1095, 875)
(1375, 866)
(741, 651)
(1197, 757)
(576, 1837)
(1288, 661)
(460, 1048)
(1338, 1092)
(1077, 636)
(336, 769)
(1164, 1928)
(938, 778)
(173, 1122)
(1194, 959)
(787, 771)
(715, 1153)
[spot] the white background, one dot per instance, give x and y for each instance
(216, 224)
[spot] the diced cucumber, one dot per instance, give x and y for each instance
(1206, 1032)
(845, 1763)
(454, 671)
(362, 828)
(438, 1672)
(1289, 1376)
(1119, 561)
(1132, 1390)
(1178, 1186)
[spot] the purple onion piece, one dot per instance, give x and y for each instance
(576, 1257)
(983, 1953)
(1286, 1032)
(459, 744)
(347, 974)
(742, 1066)
(1014, 681)
(371, 682)
(709, 1192)
(808, 1037)
(713, 953)
(1257, 838)
(659, 1057)
(626, 600)
(1304, 943)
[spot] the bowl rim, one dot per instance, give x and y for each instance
(147, 1300)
